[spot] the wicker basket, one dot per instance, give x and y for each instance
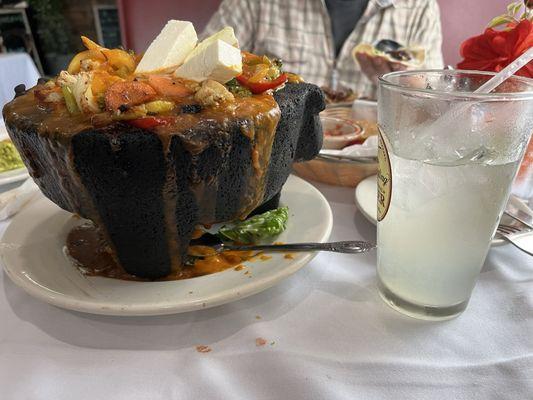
(338, 173)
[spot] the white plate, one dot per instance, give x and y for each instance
(366, 201)
(14, 175)
(366, 195)
(32, 253)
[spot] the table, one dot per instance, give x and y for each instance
(327, 333)
(15, 68)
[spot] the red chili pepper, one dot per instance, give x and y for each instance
(260, 87)
(150, 122)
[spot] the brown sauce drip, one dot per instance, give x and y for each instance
(57, 127)
(93, 257)
(262, 131)
(197, 233)
(49, 119)
(169, 213)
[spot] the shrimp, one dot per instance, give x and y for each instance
(128, 94)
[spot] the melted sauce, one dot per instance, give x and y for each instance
(93, 257)
(197, 233)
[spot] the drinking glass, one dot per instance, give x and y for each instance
(447, 158)
(523, 183)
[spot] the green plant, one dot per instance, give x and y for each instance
(52, 28)
(517, 11)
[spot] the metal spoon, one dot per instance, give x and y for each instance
(212, 242)
(346, 158)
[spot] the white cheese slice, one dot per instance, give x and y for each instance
(219, 61)
(170, 47)
(226, 35)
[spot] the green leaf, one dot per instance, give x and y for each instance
(499, 20)
(259, 227)
(513, 8)
(528, 11)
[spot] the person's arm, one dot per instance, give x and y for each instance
(427, 33)
(241, 15)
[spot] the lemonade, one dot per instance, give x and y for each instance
(438, 228)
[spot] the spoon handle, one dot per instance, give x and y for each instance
(352, 247)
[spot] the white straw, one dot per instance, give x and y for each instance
(457, 110)
(506, 73)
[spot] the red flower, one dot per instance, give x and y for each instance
(494, 50)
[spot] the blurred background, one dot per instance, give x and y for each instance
(49, 30)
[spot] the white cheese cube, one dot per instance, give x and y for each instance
(218, 61)
(226, 35)
(170, 47)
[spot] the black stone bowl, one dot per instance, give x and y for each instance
(118, 176)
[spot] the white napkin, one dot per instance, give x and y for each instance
(13, 200)
(369, 148)
(520, 205)
(3, 130)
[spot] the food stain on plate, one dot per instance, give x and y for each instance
(90, 254)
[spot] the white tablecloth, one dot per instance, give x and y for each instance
(15, 68)
(328, 335)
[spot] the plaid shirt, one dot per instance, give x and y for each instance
(299, 32)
